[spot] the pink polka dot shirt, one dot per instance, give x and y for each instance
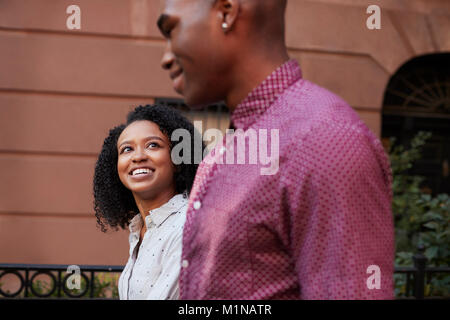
(321, 227)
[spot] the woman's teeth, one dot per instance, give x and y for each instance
(140, 171)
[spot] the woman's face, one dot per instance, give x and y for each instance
(144, 164)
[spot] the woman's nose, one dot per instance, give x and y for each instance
(139, 155)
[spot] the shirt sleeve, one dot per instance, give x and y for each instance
(341, 226)
(166, 286)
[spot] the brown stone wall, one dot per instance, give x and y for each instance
(61, 90)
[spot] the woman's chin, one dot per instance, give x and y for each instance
(143, 191)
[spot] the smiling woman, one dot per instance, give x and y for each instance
(144, 165)
(136, 185)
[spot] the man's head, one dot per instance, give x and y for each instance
(209, 41)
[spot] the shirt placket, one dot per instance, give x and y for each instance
(131, 264)
(210, 171)
(148, 236)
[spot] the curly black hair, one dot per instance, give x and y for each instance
(114, 204)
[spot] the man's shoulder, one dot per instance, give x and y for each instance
(307, 89)
(306, 106)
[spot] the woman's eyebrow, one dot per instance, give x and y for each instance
(148, 138)
(154, 137)
(124, 142)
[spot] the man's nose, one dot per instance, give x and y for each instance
(168, 58)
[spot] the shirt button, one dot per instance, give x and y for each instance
(197, 205)
(185, 263)
(222, 150)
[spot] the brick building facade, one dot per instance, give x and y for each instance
(61, 90)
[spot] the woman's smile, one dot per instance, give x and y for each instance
(141, 171)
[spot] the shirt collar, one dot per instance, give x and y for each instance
(158, 215)
(263, 96)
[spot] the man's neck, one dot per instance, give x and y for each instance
(249, 75)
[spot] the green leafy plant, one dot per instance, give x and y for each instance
(420, 218)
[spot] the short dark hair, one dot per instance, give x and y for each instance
(114, 204)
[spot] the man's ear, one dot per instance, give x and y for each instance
(228, 13)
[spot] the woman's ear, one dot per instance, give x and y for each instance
(228, 13)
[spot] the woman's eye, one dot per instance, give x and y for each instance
(126, 149)
(153, 145)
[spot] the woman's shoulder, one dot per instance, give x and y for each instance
(179, 205)
(179, 217)
(180, 201)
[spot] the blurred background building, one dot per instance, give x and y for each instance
(61, 90)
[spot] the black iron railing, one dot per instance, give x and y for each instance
(417, 278)
(59, 275)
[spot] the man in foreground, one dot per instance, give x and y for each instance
(319, 226)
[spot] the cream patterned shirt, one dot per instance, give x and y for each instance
(153, 274)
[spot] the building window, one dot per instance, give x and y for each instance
(418, 99)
